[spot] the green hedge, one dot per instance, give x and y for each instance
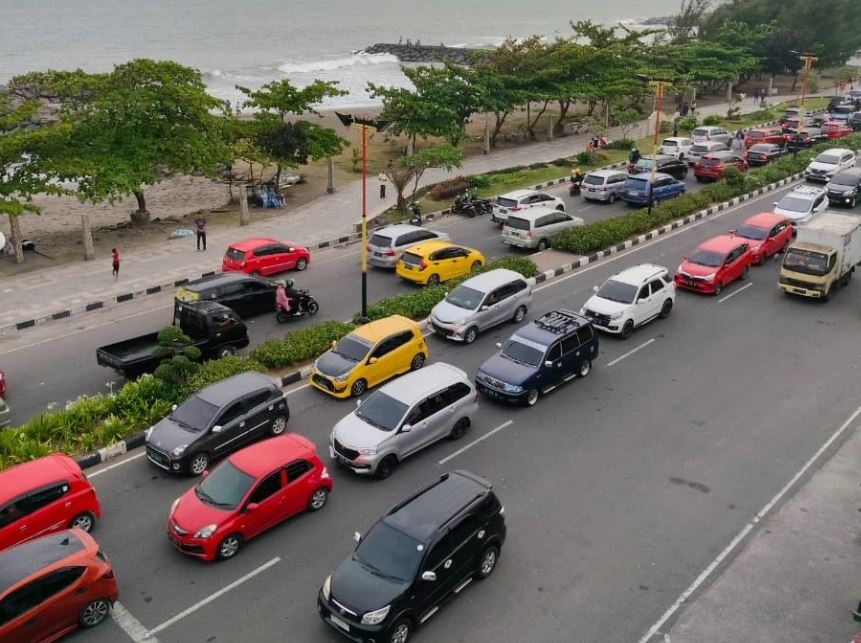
(300, 345)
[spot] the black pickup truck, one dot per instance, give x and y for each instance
(215, 329)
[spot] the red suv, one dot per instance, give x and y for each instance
(768, 234)
(42, 496)
(715, 264)
(251, 491)
(773, 135)
(836, 129)
(53, 585)
(265, 257)
(712, 166)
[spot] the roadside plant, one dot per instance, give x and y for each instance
(179, 360)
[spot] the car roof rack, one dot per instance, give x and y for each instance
(559, 321)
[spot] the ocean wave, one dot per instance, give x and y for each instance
(337, 63)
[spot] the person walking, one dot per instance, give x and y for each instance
(382, 179)
(115, 262)
(200, 224)
(739, 140)
(693, 108)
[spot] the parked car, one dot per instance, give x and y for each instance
(370, 355)
(854, 121)
(842, 112)
(480, 303)
(243, 294)
(43, 496)
(535, 228)
(834, 101)
(639, 187)
(5, 414)
(768, 234)
(794, 123)
(433, 262)
(53, 585)
(804, 139)
(801, 203)
(712, 166)
(712, 133)
(522, 200)
(715, 264)
(631, 298)
(763, 154)
(216, 421)
(386, 245)
(844, 188)
(676, 146)
(773, 135)
(402, 418)
(264, 257)
(829, 163)
(837, 129)
(539, 357)
(788, 113)
(426, 549)
(603, 185)
(252, 491)
(701, 148)
(671, 165)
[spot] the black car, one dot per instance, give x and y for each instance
(425, 550)
(675, 167)
(855, 121)
(217, 421)
(763, 153)
(243, 294)
(844, 188)
(807, 138)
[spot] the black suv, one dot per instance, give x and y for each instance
(216, 421)
(676, 168)
(844, 188)
(243, 294)
(424, 551)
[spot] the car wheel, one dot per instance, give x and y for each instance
(418, 362)
(611, 199)
(627, 329)
(226, 351)
(302, 264)
(684, 174)
(433, 280)
(531, 398)
(94, 613)
(487, 562)
(386, 467)
(585, 368)
(666, 309)
(459, 429)
(560, 208)
(85, 521)
(718, 289)
(543, 245)
(470, 335)
(359, 387)
(279, 425)
(519, 314)
(746, 270)
(400, 632)
(475, 266)
(256, 273)
(229, 547)
(198, 464)
(318, 499)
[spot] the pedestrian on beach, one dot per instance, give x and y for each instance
(200, 225)
(115, 262)
(383, 179)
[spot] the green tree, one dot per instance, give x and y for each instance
(626, 120)
(179, 360)
(412, 167)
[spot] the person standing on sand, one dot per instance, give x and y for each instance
(115, 262)
(200, 224)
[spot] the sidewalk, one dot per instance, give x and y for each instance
(68, 289)
(798, 577)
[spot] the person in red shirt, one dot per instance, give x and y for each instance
(115, 262)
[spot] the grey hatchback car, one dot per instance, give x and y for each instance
(479, 303)
(387, 244)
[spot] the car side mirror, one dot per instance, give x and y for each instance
(217, 428)
(173, 407)
(774, 204)
(357, 536)
(291, 249)
(499, 344)
(548, 363)
(406, 428)
(595, 289)
(483, 307)
(372, 360)
(429, 576)
(204, 474)
(733, 231)
(252, 506)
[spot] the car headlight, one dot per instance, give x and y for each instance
(327, 587)
(148, 433)
(174, 505)
(368, 451)
(341, 379)
(710, 277)
(513, 388)
(756, 248)
(615, 315)
(376, 617)
(206, 532)
(178, 451)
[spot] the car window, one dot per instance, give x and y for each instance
(656, 286)
(545, 220)
(570, 344)
(585, 334)
(382, 241)
(456, 392)
(37, 592)
(535, 198)
(666, 278)
(42, 498)
(438, 553)
(644, 292)
(263, 251)
(433, 404)
(271, 484)
(231, 289)
(279, 249)
(424, 235)
(459, 253)
(258, 398)
(555, 352)
(231, 413)
(462, 532)
(223, 320)
(298, 469)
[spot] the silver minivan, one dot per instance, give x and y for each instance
(491, 298)
(701, 148)
(534, 228)
(387, 244)
(603, 185)
(403, 417)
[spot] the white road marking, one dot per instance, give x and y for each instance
(130, 625)
(747, 528)
(588, 207)
(115, 465)
(630, 352)
(733, 294)
(212, 597)
(474, 442)
(298, 388)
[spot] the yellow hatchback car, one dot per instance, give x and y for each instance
(370, 355)
(430, 263)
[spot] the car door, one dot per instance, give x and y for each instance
(458, 262)
(488, 312)
(441, 263)
(848, 161)
(553, 366)
(657, 297)
(300, 487)
(776, 238)
(259, 412)
(819, 203)
(441, 561)
(259, 297)
(391, 358)
(229, 430)
(283, 258)
(735, 264)
(423, 425)
(643, 305)
(260, 261)
(233, 296)
(403, 349)
(268, 497)
(506, 301)
(46, 509)
(43, 608)
(532, 201)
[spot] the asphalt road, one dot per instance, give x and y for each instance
(35, 382)
(619, 489)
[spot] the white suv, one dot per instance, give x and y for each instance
(802, 203)
(829, 163)
(677, 146)
(521, 200)
(631, 298)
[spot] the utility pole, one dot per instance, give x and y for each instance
(658, 86)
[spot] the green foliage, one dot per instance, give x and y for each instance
(734, 178)
(300, 345)
(219, 369)
(587, 158)
(621, 144)
(479, 181)
(688, 124)
(179, 360)
(712, 119)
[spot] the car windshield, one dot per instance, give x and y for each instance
(235, 255)
(380, 241)
(637, 184)
(194, 414)
(830, 159)
(506, 202)
(669, 143)
(387, 552)
(517, 223)
(521, 353)
(708, 258)
(700, 132)
(805, 261)
(591, 179)
(617, 291)
(382, 411)
(411, 258)
(644, 164)
(465, 297)
(352, 348)
(845, 178)
(699, 149)
(794, 204)
(709, 162)
(225, 487)
(756, 134)
(752, 232)
(761, 148)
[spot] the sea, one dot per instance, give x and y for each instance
(252, 42)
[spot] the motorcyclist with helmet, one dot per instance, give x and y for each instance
(285, 296)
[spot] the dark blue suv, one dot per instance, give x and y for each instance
(537, 358)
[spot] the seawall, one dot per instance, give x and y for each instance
(423, 53)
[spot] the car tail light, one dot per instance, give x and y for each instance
(529, 234)
(515, 209)
(109, 575)
(423, 265)
(390, 253)
(475, 401)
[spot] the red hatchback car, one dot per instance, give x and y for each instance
(42, 496)
(715, 264)
(53, 585)
(773, 135)
(262, 257)
(836, 129)
(712, 166)
(768, 234)
(251, 491)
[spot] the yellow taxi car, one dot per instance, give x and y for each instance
(370, 355)
(430, 263)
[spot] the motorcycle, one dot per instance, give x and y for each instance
(303, 306)
(471, 206)
(574, 188)
(415, 209)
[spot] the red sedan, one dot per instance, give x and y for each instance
(768, 234)
(836, 129)
(715, 264)
(712, 166)
(250, 492)
(263, 257)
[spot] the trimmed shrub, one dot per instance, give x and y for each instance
(621, 144)
(479, 181)
(300, 345)
(586, 158)
(712, 119)
(219, 369)
(537, 166)
(563, 162)
(449, 188)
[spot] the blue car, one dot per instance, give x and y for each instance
(539, 357)
(636, 188)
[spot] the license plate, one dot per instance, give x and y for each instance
(515, 234)
(378, 254)
(408, 267)
(798, 291)
(336, 621)
(591, 190)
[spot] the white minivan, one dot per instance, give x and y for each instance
(536, 227)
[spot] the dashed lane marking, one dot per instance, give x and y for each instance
(733, 294)
(130, 625)
(474, 442)
(630, 352)
(115, 465)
